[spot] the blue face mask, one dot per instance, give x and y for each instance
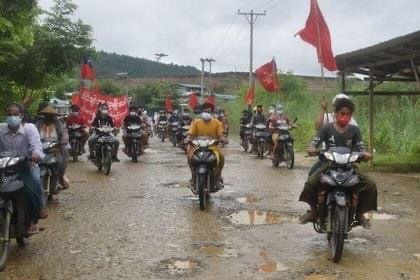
(14, 121)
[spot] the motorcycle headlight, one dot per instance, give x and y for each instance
(354, 157)
(13, 161)
(4, 161)
(341, 159)
(329, 156)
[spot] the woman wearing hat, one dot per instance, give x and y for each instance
(50, 128)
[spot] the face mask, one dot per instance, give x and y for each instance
(271, 111)
(75, 113)
(133, 114)
(14, 121)
(104, 112)
(343, 120)
(279, 112)
(206, 116)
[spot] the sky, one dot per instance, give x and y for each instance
(188, 30)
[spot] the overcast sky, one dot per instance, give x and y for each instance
(189, 29)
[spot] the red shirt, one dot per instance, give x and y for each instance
(71, 119)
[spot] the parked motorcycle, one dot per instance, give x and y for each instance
(49, 169)
(247, 140)
(285, 141)
(163, 130)
(204, 161)
(103, 149)
(173, 129)
(133, 149)
(13, 215)
(337, 208)
(75, 135)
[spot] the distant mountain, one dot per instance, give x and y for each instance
(107, 65)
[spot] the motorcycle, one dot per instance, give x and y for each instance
(286, 151)
(260, 139)
(75, 136)
(49, 168)
(204, 161)
(133, 149)
(13, 215)
(337, 208)
(173, 129)
(183, 132)
(163, 130)
(247, 137)
(103, 149)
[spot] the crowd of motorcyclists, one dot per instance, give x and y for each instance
(48, 143)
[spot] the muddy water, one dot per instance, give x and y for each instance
(142, 222)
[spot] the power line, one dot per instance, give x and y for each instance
(235, 46)
(247, 4)
(277, 4)
(263, 4)
(232, 41)
(225, 35)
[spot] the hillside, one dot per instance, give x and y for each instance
(107, 65)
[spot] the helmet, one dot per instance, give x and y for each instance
(339, 96)
(279, 109)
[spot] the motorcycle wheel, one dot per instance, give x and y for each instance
(289, 156)
(134, 152)
(4, 236)
(106, 163)
(260, 150)
(338, 233)
(245, 145)
(201, 184)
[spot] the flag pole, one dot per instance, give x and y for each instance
(320, 58)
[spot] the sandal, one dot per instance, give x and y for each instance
(33, 229)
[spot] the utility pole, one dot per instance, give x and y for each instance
(202, 79)
(210, 61)
(251, 18)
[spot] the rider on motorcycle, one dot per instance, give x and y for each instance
(340, 134)
(209, 127)
(102, 119)
(258, 118)
(274, 119)
(50, 128)
(245, 120)
(75, 118)
(131, 119)
(186, 120)
(23, 140)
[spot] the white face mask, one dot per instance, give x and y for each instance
(133, 114)
(271, 111)
(104, 112)
(75, 113)
(206, 116)
(279, 112)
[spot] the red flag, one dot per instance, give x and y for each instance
(249, 97)
(168, 103)
(87, 71)
(211, 99)
(193, 101)
(267, 75)
(316, 33)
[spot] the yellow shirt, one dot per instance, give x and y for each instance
(212, 128)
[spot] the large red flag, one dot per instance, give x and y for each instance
(193, 101)
(250, 95)
(267, 75)
(168, 103)
(316, 33)
(87, 71)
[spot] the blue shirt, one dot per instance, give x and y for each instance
(25, 142)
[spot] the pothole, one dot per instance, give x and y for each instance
(258, 217)
(218, 251)
(269, 265)
(182, 266)
(247, 199)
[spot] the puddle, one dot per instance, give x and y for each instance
(257, 217)
(247, 199)
(381, 216)
(150, 151)
(218, 251)
(179, 266)
(174, 185)
(270, 266)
